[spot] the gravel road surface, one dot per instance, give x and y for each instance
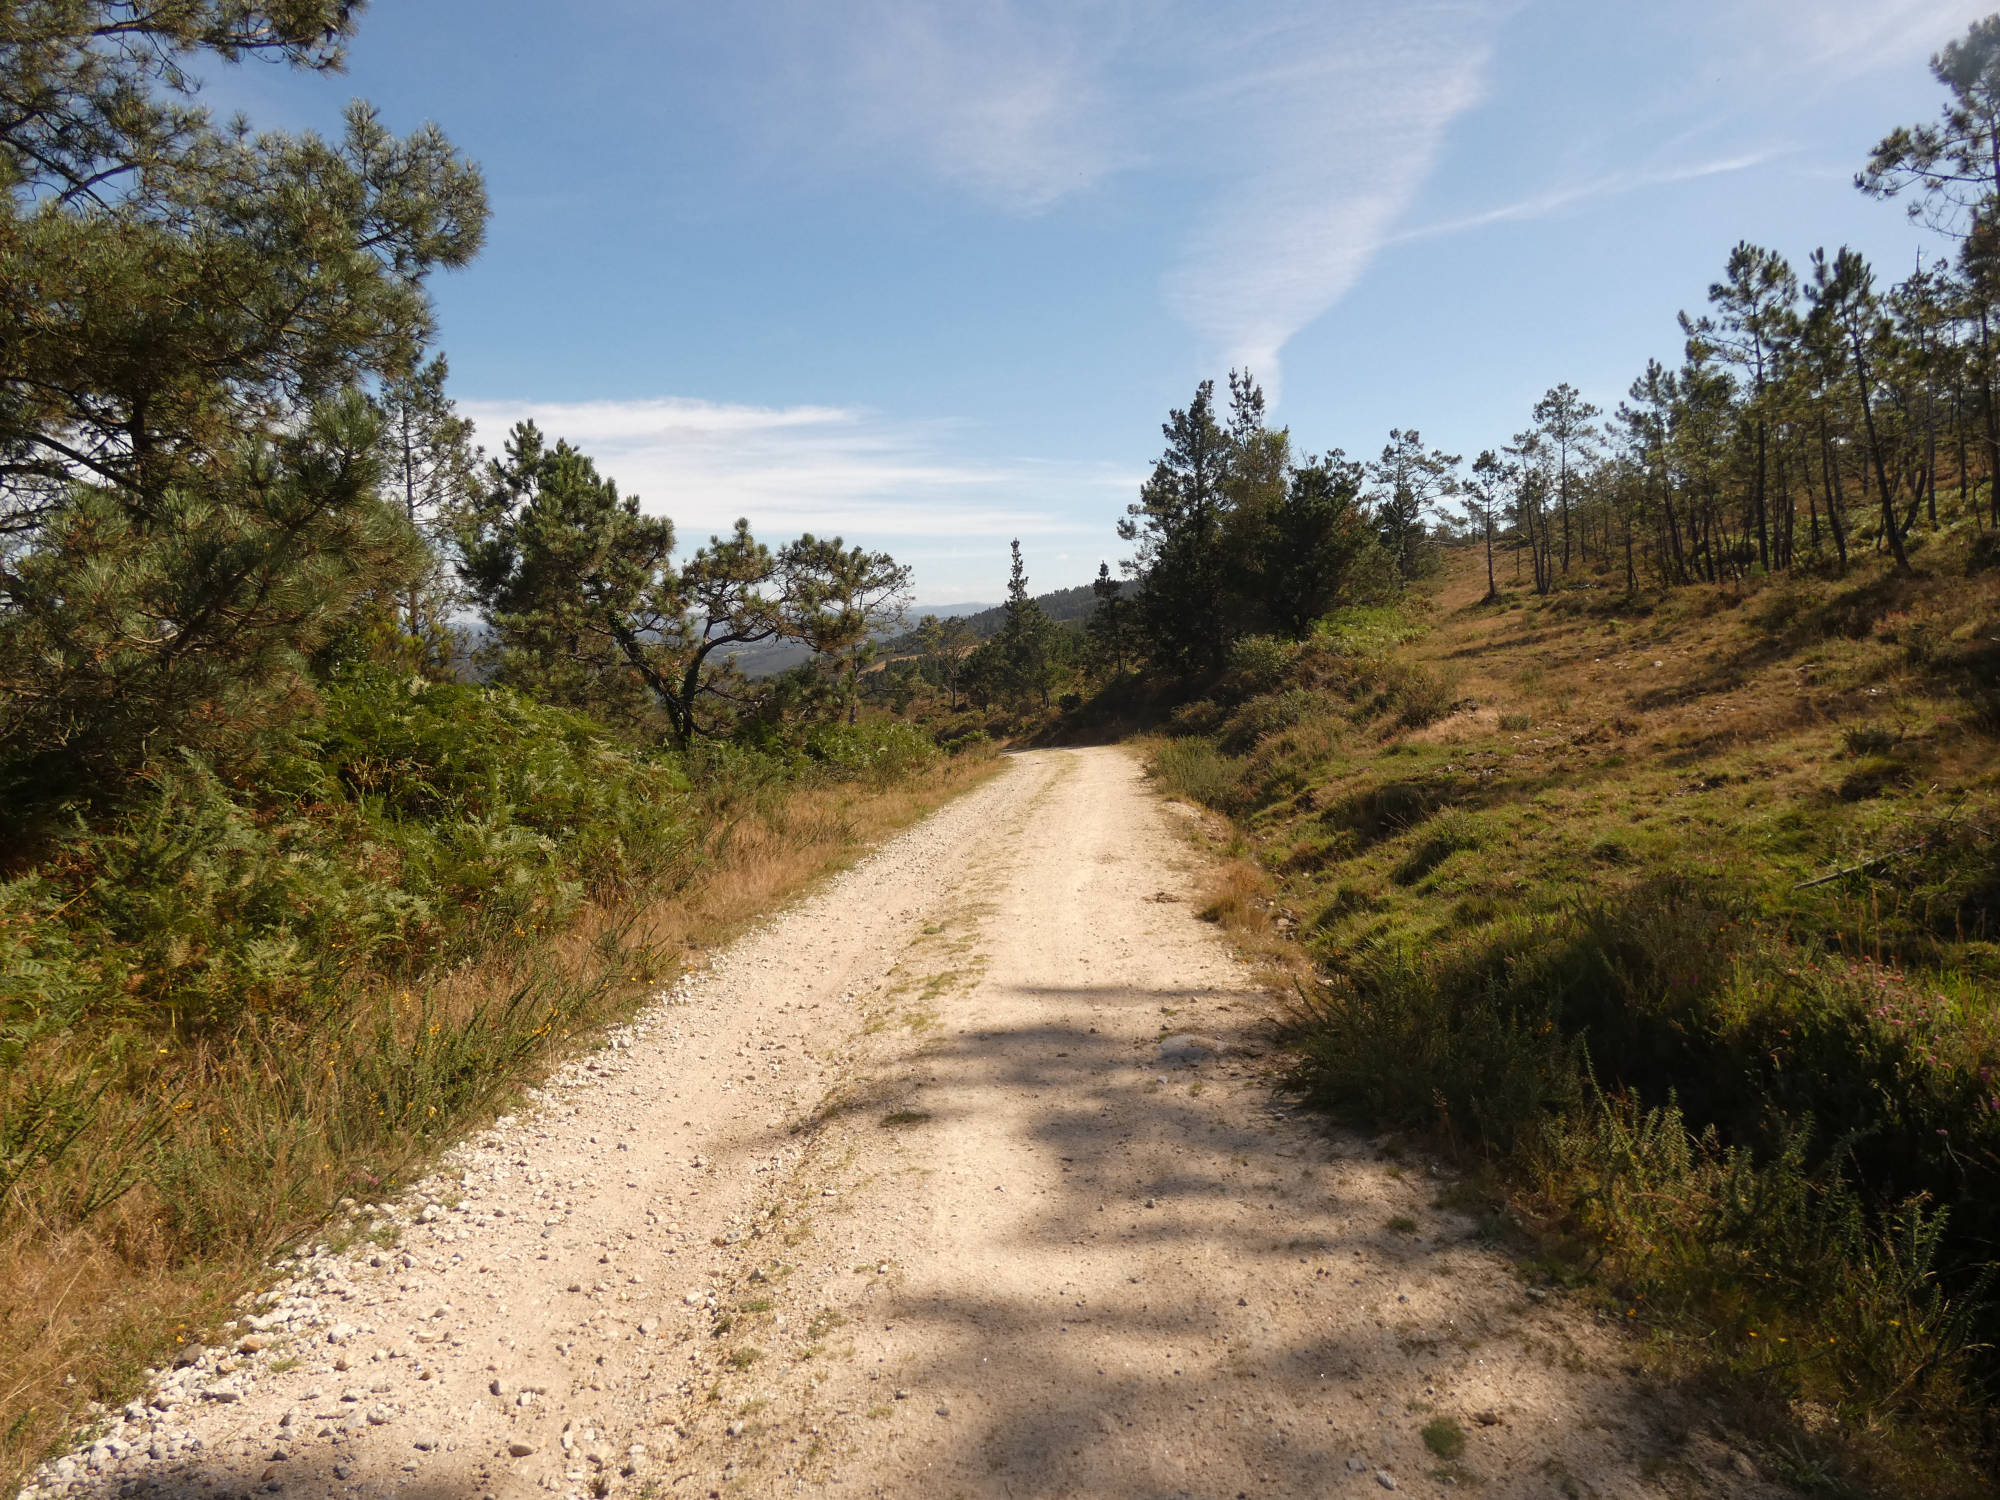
(965, 1175)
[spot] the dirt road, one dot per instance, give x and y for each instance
(964, 1176)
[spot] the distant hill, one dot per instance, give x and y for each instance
(769, 658)
(766, 658)
(1060, 606)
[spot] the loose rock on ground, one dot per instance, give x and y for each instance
(965, 1175)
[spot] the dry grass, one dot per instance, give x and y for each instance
(84, 1311)
(1238, 899)
(1742, 843)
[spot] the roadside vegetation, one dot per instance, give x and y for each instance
(1677, 933)
(1624, 804)
(1623, 811)
(348, 774)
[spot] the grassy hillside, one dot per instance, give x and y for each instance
(1682, 914)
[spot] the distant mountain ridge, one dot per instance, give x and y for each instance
(769, 658)
(1062, 605)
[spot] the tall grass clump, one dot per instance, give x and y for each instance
(1193, 768)
(1777, 1255)
(1383, 1043)
(1790, 1162)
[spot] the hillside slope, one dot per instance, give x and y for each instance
(1683, 908)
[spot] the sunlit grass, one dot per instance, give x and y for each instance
(1730, 854)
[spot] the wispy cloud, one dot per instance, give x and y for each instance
(1555, 200)
(1013, 101)
(1336, 122)
(815, 468)
(1851, 36)
(1299, 131)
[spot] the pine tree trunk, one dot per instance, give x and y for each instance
(1562, 485)
(1677, 562)
(1893, 536)
(1836, 501)
(1758, 498)
(1992, 416)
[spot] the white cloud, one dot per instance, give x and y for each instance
(816, 468)
(1302, 129)
(1554, 200)
(1008, 100)
(1335, 125)
(1851, 36)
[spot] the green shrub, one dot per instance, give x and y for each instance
(1201, 716)
(405, 825)
(877, 751)
(1271, 715)
(1369, 630)
(1875, 775)
(1983, 709)
(1868, 739)
(1382, 811)
(1386, 1043)
(1257, 664)
(1422, 696)
(1445, 1438)
(1815, 1288)
(1416, 695)
(1346, 901)
(960, 740)
(1982, 552)
(1195, 769)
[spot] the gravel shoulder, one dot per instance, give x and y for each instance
(963, 1176)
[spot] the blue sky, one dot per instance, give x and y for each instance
(928, 275)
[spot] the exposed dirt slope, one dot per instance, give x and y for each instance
(964, 1176)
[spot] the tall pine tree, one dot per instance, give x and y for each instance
(1177, 526)
(1024, 650)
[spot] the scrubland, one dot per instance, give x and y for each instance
(1677, 917)
(245, 999)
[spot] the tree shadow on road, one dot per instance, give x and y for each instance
(1187, 1287)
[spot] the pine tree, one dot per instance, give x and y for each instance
(1409, 482)
(193, 624)
(562, 565)
(1310, 541)
(1952, 166)
(1111, 628)
(185, 523)
(432, 471)
(1490, 481)
(1257, 473)
(1024, 649)
(1842, 295)
(1754, 318)
(837, 599)
(1563, 420)
(1177, 525)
